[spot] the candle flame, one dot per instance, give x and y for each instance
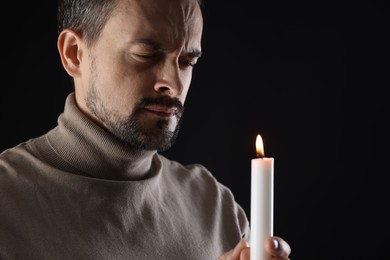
(259, 146)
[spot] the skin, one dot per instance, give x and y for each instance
(277, 248)
(133, 81)
(142, 53)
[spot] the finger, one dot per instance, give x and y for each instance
(235, 253)
(278, 248)
(225, 255)
(239, 247)
(245, 254)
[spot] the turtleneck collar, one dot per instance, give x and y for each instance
(95, 152)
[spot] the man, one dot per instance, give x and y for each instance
(95, 187)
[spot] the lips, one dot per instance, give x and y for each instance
(162, 111)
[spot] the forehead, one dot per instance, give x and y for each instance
(168, 21)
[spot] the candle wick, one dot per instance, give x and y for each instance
(259, 155)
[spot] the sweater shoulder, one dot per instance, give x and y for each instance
(202, 187)
(21, 152)
(197, 175)
(195, 170)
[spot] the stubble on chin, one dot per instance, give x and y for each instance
(135, 130)
(159, 135)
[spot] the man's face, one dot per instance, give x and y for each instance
(135, 78)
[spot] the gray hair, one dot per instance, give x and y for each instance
(86, 17)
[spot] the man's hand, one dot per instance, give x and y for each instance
(277, 248)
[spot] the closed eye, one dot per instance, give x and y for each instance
(144, 56)
(188, 61)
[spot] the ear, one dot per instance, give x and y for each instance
(69, 45)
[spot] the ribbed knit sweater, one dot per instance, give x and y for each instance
(77, 192)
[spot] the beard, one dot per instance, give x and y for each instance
(158, 136)
(132, 131)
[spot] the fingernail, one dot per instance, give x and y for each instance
(275, 244)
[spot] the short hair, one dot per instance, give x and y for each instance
(86, 17)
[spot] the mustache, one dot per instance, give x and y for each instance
(162, 101)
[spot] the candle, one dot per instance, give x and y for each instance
(262, 186)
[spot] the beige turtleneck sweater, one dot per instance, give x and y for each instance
(79, 193)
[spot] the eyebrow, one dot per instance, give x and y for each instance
(157, 46)
(193, 54)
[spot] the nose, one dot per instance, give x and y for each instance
(170, 80)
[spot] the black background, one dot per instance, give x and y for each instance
(312, 79)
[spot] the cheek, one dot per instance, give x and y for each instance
(186, 84)
(113, 76)
(118, 90)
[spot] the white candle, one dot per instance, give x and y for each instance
(262, 188)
